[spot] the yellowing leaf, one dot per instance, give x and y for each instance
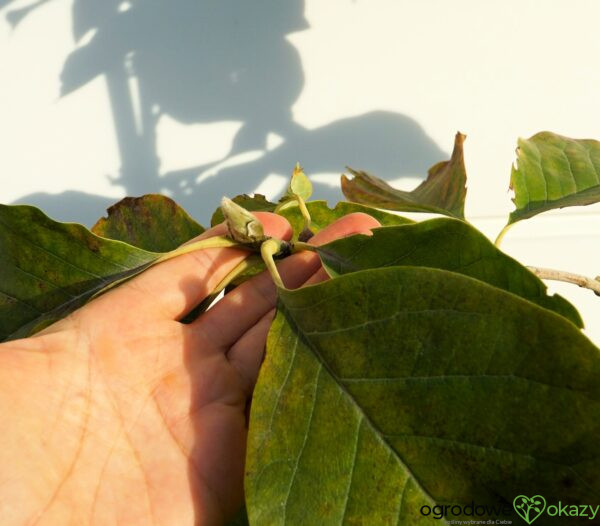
(387, 390)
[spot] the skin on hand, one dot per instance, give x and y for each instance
(120, 414)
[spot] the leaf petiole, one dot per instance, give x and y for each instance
(299, 246)
(268, 250)
(305, 213)
(502, 234)
(211, 242)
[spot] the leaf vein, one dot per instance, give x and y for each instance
(490, 448)
(302, 448)
(21, 301)
(390, 318)
(461, 376)
(351, 475)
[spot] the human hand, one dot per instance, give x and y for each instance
(120, 414)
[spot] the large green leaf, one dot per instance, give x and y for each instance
(447, 244)
(386, 390)
(321, 215)
(49, 269)
(443, 192)
(153, 222)
(553, 171)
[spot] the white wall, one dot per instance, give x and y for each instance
(381, 85)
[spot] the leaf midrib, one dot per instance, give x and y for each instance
(20, 237)
(89, 292)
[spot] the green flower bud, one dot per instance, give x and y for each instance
(243, 226)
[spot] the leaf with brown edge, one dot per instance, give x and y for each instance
(152, 222)
(48, 269)
(443, 192)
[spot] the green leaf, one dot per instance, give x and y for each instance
(553, 171)
(300, 185)
(321, 215)
(447, 244)
(443, 192)
(256, 203)
(49, 269)
(386, 390)
(153, 222)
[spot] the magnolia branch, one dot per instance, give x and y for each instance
(560, 275)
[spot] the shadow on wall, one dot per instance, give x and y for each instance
(207, 61)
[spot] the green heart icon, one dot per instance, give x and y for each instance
(529, 508)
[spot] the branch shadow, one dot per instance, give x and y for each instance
(211, 61)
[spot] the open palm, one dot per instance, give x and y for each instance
(120, 414)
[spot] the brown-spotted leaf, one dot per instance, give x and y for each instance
(443, 192)
(48, 269)
(152, 222)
